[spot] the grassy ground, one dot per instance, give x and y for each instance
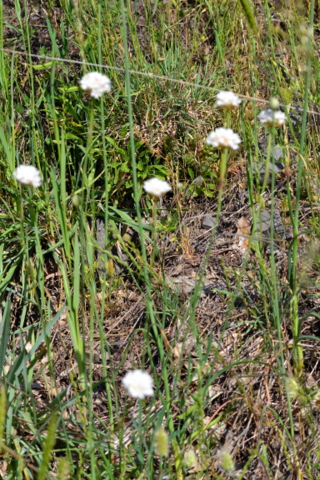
(97, 279)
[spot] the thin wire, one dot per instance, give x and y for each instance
(145, 74)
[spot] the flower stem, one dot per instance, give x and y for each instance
(223, 168)
(21, 215)
(154, 232)
(295, 217)
(149, 300)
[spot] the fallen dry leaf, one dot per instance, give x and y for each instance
(177, 350)
(243, 229)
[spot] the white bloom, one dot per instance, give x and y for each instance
(28, 175)
(96, 84)
(227, 100)
(269, 117)
(138, 383)
(156, 187)
(224, 138)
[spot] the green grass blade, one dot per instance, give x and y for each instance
(4, 333)
(47, 449)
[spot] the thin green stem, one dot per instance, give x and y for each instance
(267, 169)
(21, 216)
(106, 230)
(277, 317)
(199, 284)
(149, 300)
(295, 219)
(154, 232)
(135, 183)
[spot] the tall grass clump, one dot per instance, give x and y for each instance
(159, 254)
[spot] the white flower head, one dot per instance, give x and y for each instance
(227, 100)
(156, 187)
(28, 175)
(269, 117)
(224, 138)
(96, 84)
(139, 384)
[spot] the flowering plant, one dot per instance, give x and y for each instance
(96, 84)
(269, 117)
(156, 187)
(224, 138)
(139, 384)
(227, 100)
(28, 175)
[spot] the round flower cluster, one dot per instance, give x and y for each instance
(28, 175)
(139, 384)
(224, 138)
(96, 84)
(227, 100)
(270, 118)
(156, 187)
